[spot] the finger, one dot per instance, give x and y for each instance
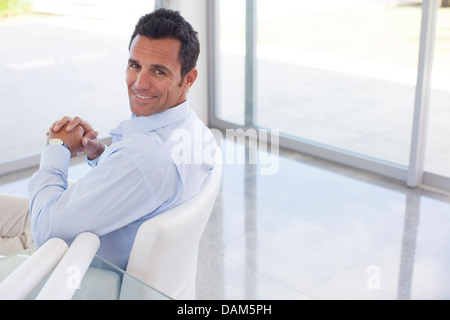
(61, 123)
(72, 124)
(86, 126)
(52, 126)
(79, 130)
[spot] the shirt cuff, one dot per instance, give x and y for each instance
(92, 163)
(55, 156)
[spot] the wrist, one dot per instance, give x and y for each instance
(57, 141)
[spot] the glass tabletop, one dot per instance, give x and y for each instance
(102, 281)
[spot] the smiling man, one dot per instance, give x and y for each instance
(154, 78)
(136, 177)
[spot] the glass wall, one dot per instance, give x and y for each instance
(231, 70)
(339, 79)
(437, 159)
(64, 58)
(342, 72)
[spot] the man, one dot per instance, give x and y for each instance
(144, 172)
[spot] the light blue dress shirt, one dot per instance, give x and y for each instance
(153, 164)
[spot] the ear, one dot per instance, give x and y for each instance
(190, 78)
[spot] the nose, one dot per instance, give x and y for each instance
(143, 81)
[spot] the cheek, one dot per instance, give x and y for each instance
(130, 79)
(131, 76)
(164, 88)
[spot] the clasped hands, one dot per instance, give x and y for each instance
(79, 136)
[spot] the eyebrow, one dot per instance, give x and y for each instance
(153, 66)
(160, 66)
(133, 61)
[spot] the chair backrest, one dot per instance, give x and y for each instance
(164, 253)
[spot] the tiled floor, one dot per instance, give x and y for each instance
(314, 230)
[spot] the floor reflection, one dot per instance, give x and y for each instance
(250, 225)
(315, 230)
(408, 249)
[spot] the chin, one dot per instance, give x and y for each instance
(141, 112)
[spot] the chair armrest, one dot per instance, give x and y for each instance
(66, 278)
(28, 275)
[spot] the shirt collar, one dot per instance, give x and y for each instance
(140, 125)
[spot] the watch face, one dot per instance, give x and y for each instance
(55, 141)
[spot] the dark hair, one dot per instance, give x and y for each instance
(165, 23)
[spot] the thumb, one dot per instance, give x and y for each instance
(90, 145)
(89, 138)
(87, 142)
(91, 134)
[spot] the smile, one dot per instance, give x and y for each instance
(144, 97)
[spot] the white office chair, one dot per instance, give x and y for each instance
(164, 253)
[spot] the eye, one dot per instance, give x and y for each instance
(134, 66)
(158, 71)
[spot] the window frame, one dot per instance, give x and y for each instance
(412, 175)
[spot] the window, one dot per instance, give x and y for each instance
(338, 78)
(344, 75)
(438, 144)
(231, 73)
(67, 58)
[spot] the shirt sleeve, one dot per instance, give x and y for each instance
(108, 197)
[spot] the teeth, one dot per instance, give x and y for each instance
(143, 97)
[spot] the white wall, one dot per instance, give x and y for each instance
(195, 11)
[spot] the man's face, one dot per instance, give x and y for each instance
(154, 76)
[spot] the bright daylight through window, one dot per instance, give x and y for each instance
(336, 74)
(63, 58)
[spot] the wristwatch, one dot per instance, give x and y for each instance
(57, 141)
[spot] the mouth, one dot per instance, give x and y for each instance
(143, 97)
